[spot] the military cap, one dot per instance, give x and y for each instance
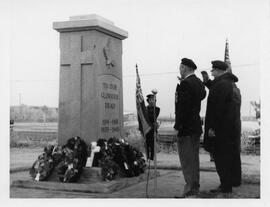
(219, 65)
(189, 63)
(149, 96)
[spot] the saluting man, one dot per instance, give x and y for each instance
(223, 126)
(189, 94)
(153, 121)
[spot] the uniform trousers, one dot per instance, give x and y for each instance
(236, 169)
(223, 162)
(150, 140)
(228, 167)
(188, 150)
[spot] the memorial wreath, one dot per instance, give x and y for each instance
(116, 157)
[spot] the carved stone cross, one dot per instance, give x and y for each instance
(73, 61)
(76, 57)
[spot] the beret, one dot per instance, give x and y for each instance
(219, 65)
(189, 63)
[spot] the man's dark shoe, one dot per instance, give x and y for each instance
(226, 190)
(190, 194)
(224, 195)
(236, 184)
(182, 196)
(216, 190)
(221, 190)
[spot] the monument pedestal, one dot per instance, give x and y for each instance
(89, 175)
(86, 184)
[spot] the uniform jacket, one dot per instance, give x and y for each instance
(208, 83)
(150, 113)
(189, 94)
(223, 114)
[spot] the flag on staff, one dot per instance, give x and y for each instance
(227, 57)
(144, 126)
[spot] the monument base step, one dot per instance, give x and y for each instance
(84, 185)
(89, 175)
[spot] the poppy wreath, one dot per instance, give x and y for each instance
(135, 160)
(109, 168)
(118, 159)
(42, 168)
(68, 160)
(73, 160)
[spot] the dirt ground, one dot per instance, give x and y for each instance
(170, 183)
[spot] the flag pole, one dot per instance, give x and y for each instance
(137, 72)
(144, 137)
(144, 125)
(155, 144)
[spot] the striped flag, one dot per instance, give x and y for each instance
(144, 126)
(227, 57)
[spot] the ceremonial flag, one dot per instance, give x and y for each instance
(144, 126)
(227, 57)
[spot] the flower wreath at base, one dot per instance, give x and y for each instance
(68, 160)
(118, 159)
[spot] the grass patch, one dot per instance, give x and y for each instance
(251, 179)
(134, 138)
(21, 140)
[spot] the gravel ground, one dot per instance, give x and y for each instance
(169, 185)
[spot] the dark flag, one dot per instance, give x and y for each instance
(227, 57)
(144, 126)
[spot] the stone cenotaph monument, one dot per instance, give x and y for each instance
(90, 92)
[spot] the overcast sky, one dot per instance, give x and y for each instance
(161, 33)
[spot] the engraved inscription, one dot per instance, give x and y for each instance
(109, 106)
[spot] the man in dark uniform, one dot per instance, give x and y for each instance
(223, 126)
(207, 82)
(152, 119)
(189, 94)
